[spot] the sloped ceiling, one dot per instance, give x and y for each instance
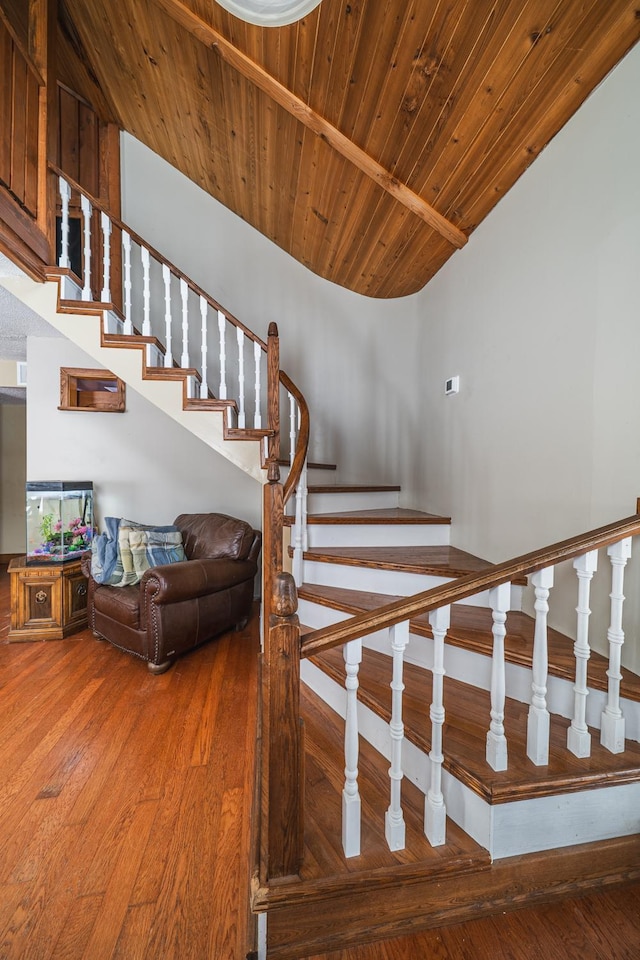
(369, 139)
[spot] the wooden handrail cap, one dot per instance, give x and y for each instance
(285, 595)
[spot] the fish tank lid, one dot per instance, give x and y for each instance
(58, 485)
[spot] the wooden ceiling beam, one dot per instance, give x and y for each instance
(312, 120)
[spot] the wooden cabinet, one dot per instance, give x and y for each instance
(48, 601)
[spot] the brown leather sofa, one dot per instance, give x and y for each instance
(179, 606)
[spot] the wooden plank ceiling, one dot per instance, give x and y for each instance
(345, 137)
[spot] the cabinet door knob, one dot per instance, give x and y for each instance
(41, 596)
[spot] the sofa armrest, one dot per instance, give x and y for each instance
(85, 565)
(189, 579)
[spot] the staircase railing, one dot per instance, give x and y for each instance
(395, 617)
(103, 260)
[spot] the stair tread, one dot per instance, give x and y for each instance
(396, 515)
(352, 488)
(311, 465)
(471, 629)
(464, 735)
(441, 560)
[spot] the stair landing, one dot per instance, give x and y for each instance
(338, 902)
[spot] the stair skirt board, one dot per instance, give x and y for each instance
(504, 829)
(378, 535)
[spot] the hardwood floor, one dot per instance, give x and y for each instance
(125, 800)
(125, 806)
(601, 926)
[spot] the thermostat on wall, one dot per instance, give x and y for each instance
(452, 385)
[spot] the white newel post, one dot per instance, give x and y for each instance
(496, 753)
(538, 720)
(146, 292)
(241, 413)
(612, 726)
(394, 818)
(168, 352)
(351, 806)
(222, 389)
(87, 210)
(184, 296)
(105, 222)
(126, 246)
(65, 197)
(578, 736)
(204, 383)
(257, 357)
(435, 814)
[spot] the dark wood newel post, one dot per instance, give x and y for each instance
(281, 737)
(282, 770)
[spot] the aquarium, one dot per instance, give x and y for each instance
(59, 520)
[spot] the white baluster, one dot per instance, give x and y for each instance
(184, 294)
(146, 292)
(105, 222)
(87, 210)
(394, 819)
(538, 719)
(65, 197)
(435, 814)
(298, 529)
(292, 427)
(222, 389)
(612, 727)
(204, 384)
(257, 356)
(500, 602)
(128, 322)
(168, 352)
(241, 413)
(578, 736)
(305, 502)
(351, 805)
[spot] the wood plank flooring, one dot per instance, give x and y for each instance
(600, 926)
(125, 800)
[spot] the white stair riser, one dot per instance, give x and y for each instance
(392, 582)
(343, 501)
(112, 322)
(505, 829)
(378, 535)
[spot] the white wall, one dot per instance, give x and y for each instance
(332, 340)
(143, 465)
(13, 460)
(540, 317)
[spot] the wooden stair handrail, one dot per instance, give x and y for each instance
(408, 607)
(302, 444)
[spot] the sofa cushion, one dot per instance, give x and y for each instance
(214, 536)
(142, 547)
(121, 604)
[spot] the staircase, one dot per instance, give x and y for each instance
(546, 828)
